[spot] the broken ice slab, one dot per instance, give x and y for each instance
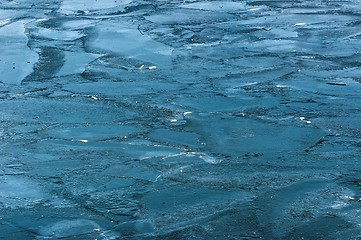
(137, 228)
(256, 62)
(116, 89)
(66, 111)
(75, 228)
(306, 204)
(4, 21)
(92, 133)
(20, 192)
(117, 204)
(126, 40)
(49, 29)
(75, 62)
(349, 127)
(299, 20)
(278, 46)
(16, 59)
(327, 71)
(7, 16)
(212, 104)
(44, 33)
(217, 6)
(178, 197)
(277, 33)
(186, 159)
(188, 17)
(114, 184)
(324, 85)
(154, 152)
(173, 137)
(132, 172)
(26, 6)
(235, 136)
(77, 24)
(74, 6)
(172, 204)
(235, 81)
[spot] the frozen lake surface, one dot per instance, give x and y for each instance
(176, 119)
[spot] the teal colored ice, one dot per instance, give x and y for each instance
(180, 119)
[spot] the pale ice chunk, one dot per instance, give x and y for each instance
(240, 135)
(59, 203)
(120, 88)
(278, 33)
(299, 24)
(57, 35)
(183, 138)
(283, 45)
(132, 172)
(298, 20)
(76, 62)
(181, 196)
(92, 133)
(125, 39)
(216, 6)
(156, 154)
(75, 228)
(136, 228)
(341, 87)
(4, 21)
(7, 14)
(73, 6)
(79, 24)
(20, 192)
(185, 157)
(189, 16)
(210, 159)
(16, 59)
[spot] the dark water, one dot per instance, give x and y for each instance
(180, 119)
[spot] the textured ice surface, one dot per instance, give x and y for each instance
(17, 59)
(180, 119)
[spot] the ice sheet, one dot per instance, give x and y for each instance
(180, 119)
(17, 59)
